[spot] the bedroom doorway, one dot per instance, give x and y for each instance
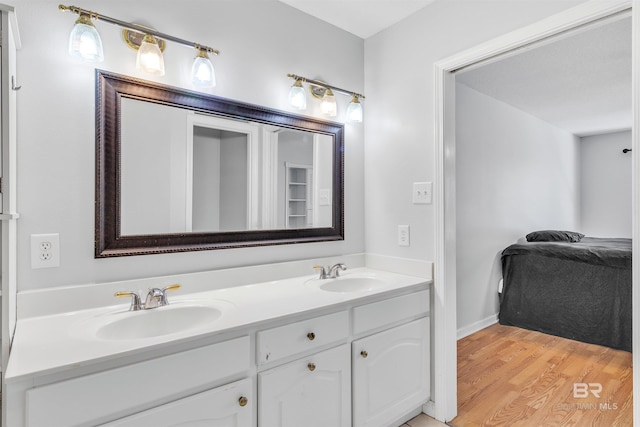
(542, 132)
(573, 20)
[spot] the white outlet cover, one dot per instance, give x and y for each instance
(403, 235)
(45, 250)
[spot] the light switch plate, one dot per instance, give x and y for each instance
(422, 193)
(325, 197)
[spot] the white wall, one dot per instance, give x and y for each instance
(322, 155)
(606, 185)
(153, 146)
(206, 179)
(233, 181)
(514, 174)
(260, 42)
(399, 109)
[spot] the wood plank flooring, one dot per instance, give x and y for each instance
(509, 376)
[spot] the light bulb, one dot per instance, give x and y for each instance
(202, 72)
(297, 97)
(84, 41)
(150, 58)
(328, 105)
(354, 110)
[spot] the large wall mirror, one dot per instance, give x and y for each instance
(178, 171)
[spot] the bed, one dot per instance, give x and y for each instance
(579, 290)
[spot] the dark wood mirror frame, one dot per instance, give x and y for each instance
(110, 89)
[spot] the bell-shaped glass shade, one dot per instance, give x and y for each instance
(150, 58)
(328, 105)
(354, 110)
(297, 97)
(84, 41)
(202, 72)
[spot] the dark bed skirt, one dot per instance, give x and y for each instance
(571, 299)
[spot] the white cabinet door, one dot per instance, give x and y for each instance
(81, 401)
(314, 391)
(390, 373)
(226, 406)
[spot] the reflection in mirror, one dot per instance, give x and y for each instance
(186, 172)
(180, 170)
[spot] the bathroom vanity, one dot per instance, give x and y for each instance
(352, 350)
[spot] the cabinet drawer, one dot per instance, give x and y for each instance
(287, 340)
(379, 314)
(101, 397)
(229, 405)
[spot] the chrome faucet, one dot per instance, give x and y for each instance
(334, 271)
(330, 272)
(156, 297)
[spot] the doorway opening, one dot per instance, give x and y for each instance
(445, 275)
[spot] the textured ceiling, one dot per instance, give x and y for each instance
(579, 82)
(363, 18)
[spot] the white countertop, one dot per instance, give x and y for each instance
(56, 343)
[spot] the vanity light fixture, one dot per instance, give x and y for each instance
(297, 97)
(85, 43)
(149, 58)
(202, 72)
(328, 105)
(354, 110)
(324, 92)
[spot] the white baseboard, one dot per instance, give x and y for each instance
(476, 326)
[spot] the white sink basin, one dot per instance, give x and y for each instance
(351, 284)
(180, 316)
(156, 322)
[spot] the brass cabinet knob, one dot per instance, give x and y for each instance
(311, 336)
(364, 354)
(311, 366)
(243, 401)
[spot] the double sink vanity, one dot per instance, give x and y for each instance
(262, 345)
(351, 350)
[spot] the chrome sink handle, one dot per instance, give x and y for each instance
(136, 304)
(164, 300)
(334, 271)
(157, 297)
(323, 272)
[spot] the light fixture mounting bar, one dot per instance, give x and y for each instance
(136, 27)
(325, 85)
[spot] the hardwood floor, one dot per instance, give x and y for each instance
(509, 376)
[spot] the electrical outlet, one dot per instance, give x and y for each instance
(45, 250)
(403, 235)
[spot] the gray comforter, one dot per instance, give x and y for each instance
(580, 291)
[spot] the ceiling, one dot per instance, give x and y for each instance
(579, 82)
(363, 18)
